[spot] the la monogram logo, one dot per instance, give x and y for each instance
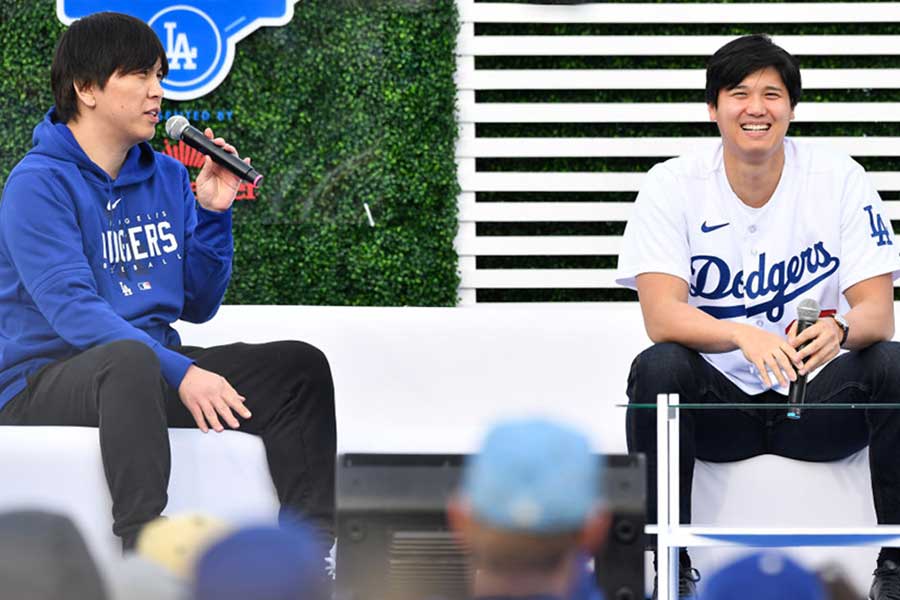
(879, 229)
(178, 49)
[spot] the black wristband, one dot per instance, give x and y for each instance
(845, 327)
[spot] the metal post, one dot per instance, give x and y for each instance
(674, 464)
(663, 562)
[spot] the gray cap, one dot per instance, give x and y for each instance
(44, 557)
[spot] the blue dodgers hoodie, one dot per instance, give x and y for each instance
(86, 260)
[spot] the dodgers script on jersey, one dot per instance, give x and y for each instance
(822, 231)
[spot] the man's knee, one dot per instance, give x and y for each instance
(879, 358)
(887, 351)
(129, 385)
(129, 358)
(304, 358)
(308, 373)
(661, 363)
(128, 368)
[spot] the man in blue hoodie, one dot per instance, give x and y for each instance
(102, 247)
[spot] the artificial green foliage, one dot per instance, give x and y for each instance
(350, 103)
(28, 33)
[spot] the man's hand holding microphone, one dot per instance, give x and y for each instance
(811, 342)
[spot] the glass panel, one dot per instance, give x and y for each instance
(769, 405)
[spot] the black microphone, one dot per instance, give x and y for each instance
(807, 315)
(179, 128)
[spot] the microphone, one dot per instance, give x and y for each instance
(807, 315)
(179, 128)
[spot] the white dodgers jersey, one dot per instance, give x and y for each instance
(822, 231)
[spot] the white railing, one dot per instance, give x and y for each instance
(822, 12)
(470, 246)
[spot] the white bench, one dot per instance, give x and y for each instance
(431, 380)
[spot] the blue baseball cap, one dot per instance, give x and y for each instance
(533, 476)
(764, 576)
(264, 563)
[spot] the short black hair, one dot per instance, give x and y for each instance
(94, 48)
(737, 59)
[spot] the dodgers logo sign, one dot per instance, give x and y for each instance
(199, 36)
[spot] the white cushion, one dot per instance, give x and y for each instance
(59, 468)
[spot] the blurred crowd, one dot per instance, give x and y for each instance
(44, 557)
(530, 511)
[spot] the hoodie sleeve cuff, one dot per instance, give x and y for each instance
(214, 229)
(173, 366)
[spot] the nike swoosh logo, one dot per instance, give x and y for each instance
(707, 228)
(113, 205)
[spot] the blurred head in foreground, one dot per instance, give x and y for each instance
(764, 576)
(176, 543)
(44, 557)
(529, 507)
(263, 563)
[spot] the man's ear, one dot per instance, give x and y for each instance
(458, 516)
(84, 91)
(595, 531)
(712, 112)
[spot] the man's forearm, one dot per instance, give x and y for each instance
(870, 321)
(689, 326)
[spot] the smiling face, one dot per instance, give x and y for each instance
(753, 117)
(127, 108)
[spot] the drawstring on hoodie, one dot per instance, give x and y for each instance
(116, 216)
(113, 215)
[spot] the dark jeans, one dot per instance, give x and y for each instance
(720, 435)
(118, 388)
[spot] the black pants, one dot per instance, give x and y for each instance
(721, 435)
(118, 388)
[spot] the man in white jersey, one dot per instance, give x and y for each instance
(722, 247)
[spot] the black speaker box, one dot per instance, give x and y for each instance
(619, 566)
(394, 543)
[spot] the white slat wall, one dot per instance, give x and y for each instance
(469, 80)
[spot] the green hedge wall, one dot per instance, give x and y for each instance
(351, 103)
